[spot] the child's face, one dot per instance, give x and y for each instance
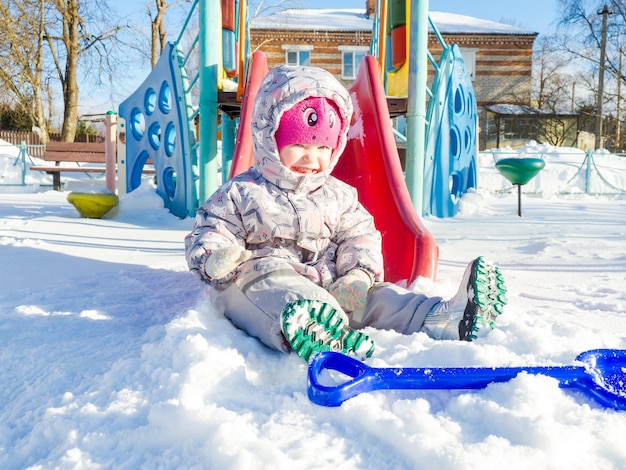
(306, 158)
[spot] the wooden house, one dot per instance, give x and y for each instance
(498, 56)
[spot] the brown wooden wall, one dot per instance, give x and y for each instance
(503, 71)
(325, 53)
(503, 62)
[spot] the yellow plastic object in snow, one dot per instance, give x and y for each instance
(93, 203)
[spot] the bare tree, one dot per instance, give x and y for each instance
(158, 31)
(76, 29)
(68, 42)
(581, 24)
(22, 58)
(157, 26)
(552, 79)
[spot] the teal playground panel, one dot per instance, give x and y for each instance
(157, 126)
(451, 147)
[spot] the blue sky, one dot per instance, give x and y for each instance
(536, 15)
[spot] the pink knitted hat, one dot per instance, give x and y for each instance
(313, 120)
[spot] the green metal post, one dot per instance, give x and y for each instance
(416, 103)
(210, 48)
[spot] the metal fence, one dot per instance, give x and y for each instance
(594, 174)
(33, 142)
(31, 139)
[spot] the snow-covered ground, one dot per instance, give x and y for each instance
(111, 355)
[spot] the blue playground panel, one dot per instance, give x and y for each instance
(158, 129)
(450, 161)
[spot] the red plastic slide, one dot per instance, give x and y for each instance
(371, 164)
(242, 154)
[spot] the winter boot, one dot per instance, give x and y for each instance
(472, 312)
(312, 326)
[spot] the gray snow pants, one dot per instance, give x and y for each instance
(256, 307)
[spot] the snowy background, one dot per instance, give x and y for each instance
(111, 355)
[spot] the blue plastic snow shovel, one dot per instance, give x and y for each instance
(602, 376)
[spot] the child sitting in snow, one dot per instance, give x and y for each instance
(294, 259)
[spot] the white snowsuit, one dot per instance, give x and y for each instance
(304, 231)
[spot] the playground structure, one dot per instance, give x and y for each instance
(155, 122)
(520, 171)
(172, 119)
(442, 118)
(93, 203)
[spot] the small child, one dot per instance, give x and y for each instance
(294, 259)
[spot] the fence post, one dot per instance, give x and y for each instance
(588, 176)
(110, 148)
(23, 157)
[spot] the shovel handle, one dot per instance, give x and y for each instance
(363, 378)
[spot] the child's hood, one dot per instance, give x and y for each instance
(281, 89)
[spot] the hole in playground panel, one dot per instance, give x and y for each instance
(454, 186)
(169, 142)
(470, 106)
(467, 139)
(165, 98)
(137, 123)
(455, 141)
(471, 175)
(169, 182)
(136, 169)
(154, 135)
(150, 101)
(459, 100)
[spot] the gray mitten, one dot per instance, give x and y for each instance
(224, 260)
(351, 289)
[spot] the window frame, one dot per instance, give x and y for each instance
(298, 49)
(355, 51)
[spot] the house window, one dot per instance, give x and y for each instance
(351, 57)
(520, 127)
(469, 58)
(513, 128)
(297, 54)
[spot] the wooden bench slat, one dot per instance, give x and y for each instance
(74, 156)
(72, 169)
(79, 169)
(76, 146)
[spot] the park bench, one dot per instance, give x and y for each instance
(72, 152)
(78, 153)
